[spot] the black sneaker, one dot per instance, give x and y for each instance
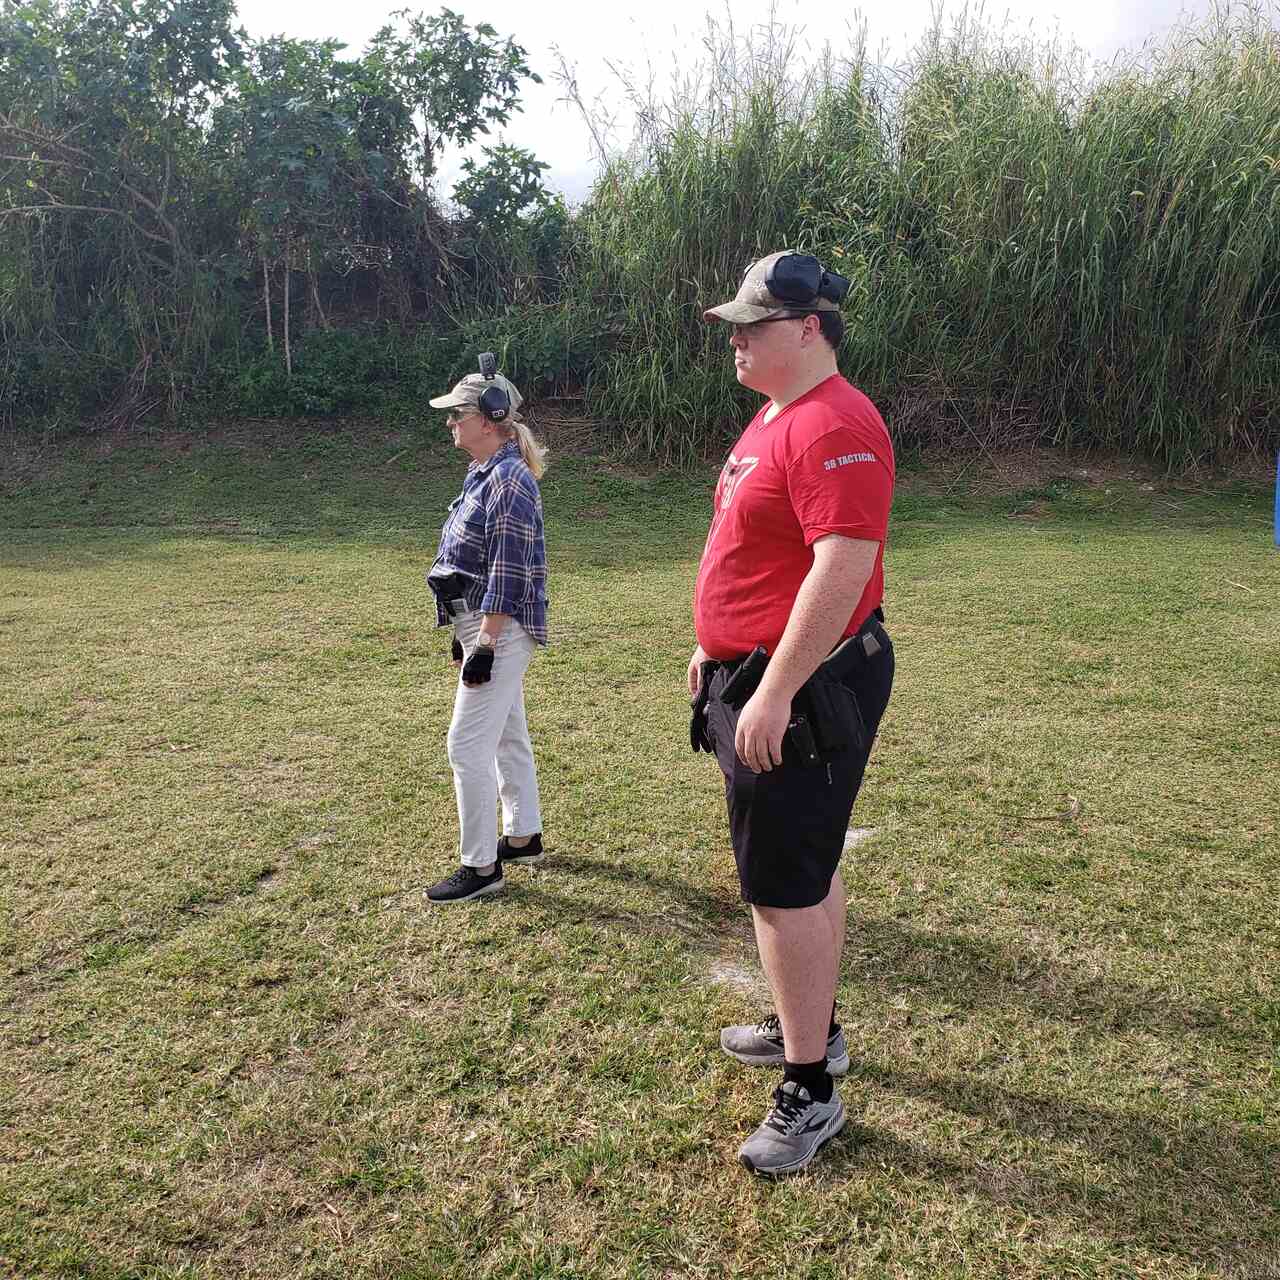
(465, 884)
(531, 852)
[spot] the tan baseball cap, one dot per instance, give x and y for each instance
(468, 392)
(754, 301)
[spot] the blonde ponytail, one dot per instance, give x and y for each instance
(533, 453)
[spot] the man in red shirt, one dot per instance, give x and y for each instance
(794, 563)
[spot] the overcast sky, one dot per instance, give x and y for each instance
(663, 34)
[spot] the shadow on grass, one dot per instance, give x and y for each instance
(341, 482)
(698, 911)
(970, 974)
(1173, 1183)
(1204, 1191)
(330, 487)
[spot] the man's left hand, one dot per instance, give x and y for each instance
(761, 729)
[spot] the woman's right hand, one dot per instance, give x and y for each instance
(456, 652)
(695, 670)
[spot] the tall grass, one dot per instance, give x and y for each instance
(1088, 255)
(1096, 254)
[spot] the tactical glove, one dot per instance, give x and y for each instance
(479, 667)
(698, 738)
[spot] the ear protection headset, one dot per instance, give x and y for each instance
(800, 280)
(494, 402)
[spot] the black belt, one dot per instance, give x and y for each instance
(872, 630)
(869, 640)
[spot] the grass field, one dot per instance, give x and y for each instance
(235, 1041)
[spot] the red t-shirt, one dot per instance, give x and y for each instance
(823, 465)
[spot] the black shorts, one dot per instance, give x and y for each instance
(788, 825)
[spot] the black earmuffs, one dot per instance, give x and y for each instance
(494, 403)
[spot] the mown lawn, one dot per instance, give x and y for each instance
(235, 1041)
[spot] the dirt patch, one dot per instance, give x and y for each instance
(633, 475)
(966, 460)
(856, 836)
(21, 462)
(735, 975)
(951, 469)
(568, 434)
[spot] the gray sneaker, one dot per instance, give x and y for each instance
(795, 1130)
(761, 1046)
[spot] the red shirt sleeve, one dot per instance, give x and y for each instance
(841, 483)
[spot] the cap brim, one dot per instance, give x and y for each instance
(448, 401)
(742, 313)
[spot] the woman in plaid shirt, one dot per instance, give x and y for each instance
(489, 579)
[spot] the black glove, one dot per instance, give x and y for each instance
(479, 667)
(698, 738)
(456, 652)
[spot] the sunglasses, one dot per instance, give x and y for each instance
(738, 330)
(459, 415)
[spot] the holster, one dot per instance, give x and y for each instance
(450, 589)
(834, 714)
(746, 679)
(825, 716)
(802, 742)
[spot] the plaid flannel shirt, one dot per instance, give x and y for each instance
(493, 535)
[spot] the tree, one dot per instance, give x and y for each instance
(99, 135)
(459, 81)
(159, 173)
(506, 184)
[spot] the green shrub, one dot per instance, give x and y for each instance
(334, 372)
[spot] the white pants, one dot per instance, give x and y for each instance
(489, 747)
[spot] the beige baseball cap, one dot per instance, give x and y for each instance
(754, 301)
(468, 392)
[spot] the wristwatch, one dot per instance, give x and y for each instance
(485, 641)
